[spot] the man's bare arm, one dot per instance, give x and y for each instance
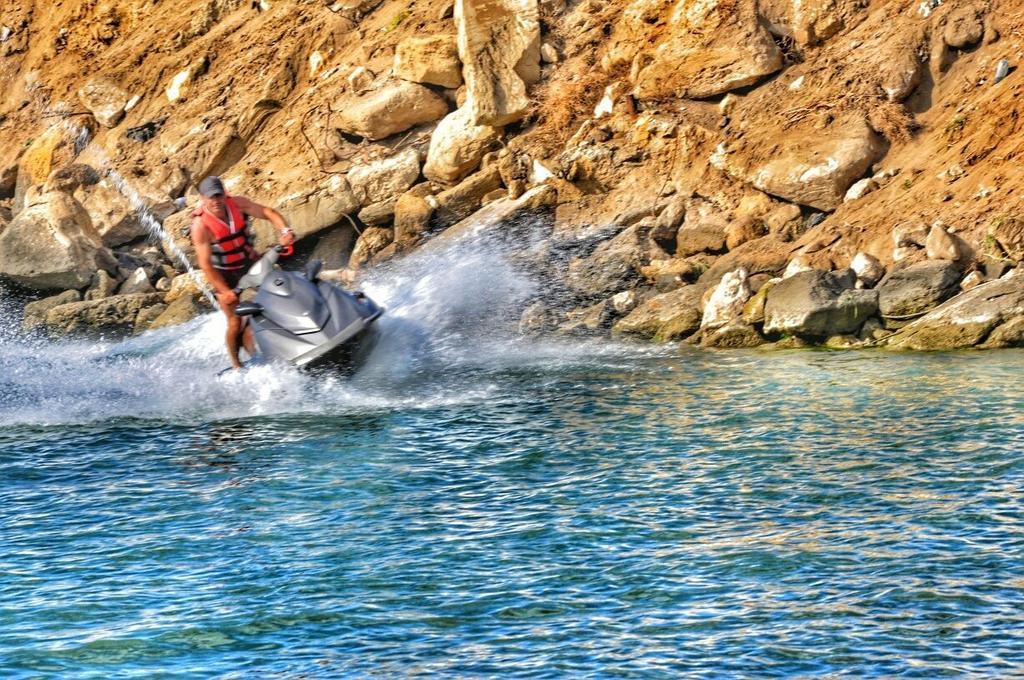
(263, 212)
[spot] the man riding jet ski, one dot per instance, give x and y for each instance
(295, 317)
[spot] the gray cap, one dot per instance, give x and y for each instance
(211, 186)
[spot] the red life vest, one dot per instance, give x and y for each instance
(231, 242)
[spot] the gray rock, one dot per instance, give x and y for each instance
(592, 320)
(1002, 70)
(103, 286)
(137, 282)
(817, 304)
(970, 319)
(147, 315)
(536, 319)
(182, 309)
(614, 265)
(670, 316)
(909, 292)
(35, 312)
(334, 247)
(113, 315)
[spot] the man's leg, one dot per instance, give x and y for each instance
(231, 338)
(247, 340)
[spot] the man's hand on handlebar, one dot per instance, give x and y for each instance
(227, 298)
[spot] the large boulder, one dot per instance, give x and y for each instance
(499, 44)
(816, 171)
(709, 48)
(389, 110)
(105, 99)
(52, 244)
(817, 304)
(766, 255)
(310, 213)
(433, 60)
(113, 217)
(911, 291)
(984, 316)
(114, 315)
(457, 146)
(614, 265)
(189, 285)
(670, 316)
(385, 179)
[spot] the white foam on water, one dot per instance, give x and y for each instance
(447, 337)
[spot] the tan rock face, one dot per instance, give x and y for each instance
(499, 44)
(457, 146)
(815, 172)
(389, 110)
(433, 60)
(709, 48)
(58, 146)
(105, 99)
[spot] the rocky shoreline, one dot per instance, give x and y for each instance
(826, 179)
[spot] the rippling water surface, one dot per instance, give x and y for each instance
(473, 504)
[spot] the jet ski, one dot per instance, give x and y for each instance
(298, 318)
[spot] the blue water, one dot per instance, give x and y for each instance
(473, 504)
